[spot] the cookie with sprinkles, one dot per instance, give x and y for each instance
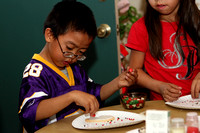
(102, 118)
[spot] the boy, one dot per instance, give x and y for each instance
(54, 86)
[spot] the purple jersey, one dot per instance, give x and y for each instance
(42, 80)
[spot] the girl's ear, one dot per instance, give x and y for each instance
(48, 35)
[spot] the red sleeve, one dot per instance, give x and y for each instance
(138, 36)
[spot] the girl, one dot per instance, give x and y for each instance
(166, 41)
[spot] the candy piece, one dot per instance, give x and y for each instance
(141, 101)
(128, 102)
(131, 103)
(135, 101)
(93, 115)
(134, 98)
(130, 70)
(130, 107)
(124, 100)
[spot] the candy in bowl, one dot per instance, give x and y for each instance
(133, 100)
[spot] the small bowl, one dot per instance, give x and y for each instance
(134, 100)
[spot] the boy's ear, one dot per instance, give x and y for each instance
(48, 35)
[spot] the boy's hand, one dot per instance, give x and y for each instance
(88, 101)
(195, 87)
(128, 77)
(170, 92)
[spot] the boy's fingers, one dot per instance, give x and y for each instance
(93, 106)
(131, 75)
(86, 109)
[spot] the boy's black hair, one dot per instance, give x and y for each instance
(69, 0)
(69, 15)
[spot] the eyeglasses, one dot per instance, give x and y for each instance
(70, 54)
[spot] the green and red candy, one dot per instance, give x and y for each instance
(132, 102)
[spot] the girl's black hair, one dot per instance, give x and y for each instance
(188, 18)
(69, 15)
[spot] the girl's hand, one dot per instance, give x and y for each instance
(128, 77)
(88, 101)
(170, 92)
(195, 88)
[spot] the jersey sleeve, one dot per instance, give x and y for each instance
(138, 37)
(32, 91)
(87, 84)
(94, 89)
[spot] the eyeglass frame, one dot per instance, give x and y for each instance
(67, 54)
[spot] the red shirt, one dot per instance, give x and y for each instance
(173, 68)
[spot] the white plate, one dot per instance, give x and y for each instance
(122, 118)
(185, 102)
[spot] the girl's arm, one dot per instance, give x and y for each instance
(137, 62)
(170, 92)
(195, 88)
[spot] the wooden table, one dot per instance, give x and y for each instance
(65, 126)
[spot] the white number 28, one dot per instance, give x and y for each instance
(32, 70)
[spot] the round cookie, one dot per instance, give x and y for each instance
(102, 118)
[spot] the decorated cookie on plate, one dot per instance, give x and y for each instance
(102, 118)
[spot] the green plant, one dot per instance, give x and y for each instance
(126, 20)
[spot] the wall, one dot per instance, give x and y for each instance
(198, 3)
(20, 37)
(139, 4)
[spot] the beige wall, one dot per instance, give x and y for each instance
(198, 3)
(139, 4)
